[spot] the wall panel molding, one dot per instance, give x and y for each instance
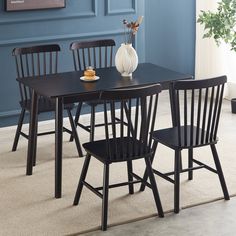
(92, 13)
(10, 113)
(80, 20)
(109, 11)
(43, 39)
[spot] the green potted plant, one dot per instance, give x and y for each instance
(221, 25)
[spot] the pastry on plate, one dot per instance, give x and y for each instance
(89, 73)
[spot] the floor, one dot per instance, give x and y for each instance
(214, 219)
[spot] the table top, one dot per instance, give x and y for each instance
(68, 84)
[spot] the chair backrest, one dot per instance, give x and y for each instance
(132, 137)
(97, 54)
(198, 106)
(35, 61)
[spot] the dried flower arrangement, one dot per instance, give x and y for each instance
(130, 29)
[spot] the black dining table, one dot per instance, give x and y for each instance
(67, 88)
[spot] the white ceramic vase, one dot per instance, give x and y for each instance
(126, 60)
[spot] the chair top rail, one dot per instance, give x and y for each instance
(36, 49)
(89, 44)
(199, 84)
(129, 93)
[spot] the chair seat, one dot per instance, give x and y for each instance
(44, 105)
(98, 149)
(169, 137)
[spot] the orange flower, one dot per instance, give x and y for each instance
(132, 28)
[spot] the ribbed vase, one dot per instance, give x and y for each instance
(126, 60)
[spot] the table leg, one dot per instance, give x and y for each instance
(32, 133)
(173, 114)
(172, 105)
(58, 146)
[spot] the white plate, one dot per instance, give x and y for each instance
(89, 80)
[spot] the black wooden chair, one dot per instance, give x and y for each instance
(98, 54)
(35, 61)
(197, 106)
(124, 142)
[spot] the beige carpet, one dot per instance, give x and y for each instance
(27, 206)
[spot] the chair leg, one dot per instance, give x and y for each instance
(35, 143)
(18, 130)
(145, 176)
(105, 196)
(74, 133)
(154, 187)
(180, 162)
(177, 181)
(77, 115)
(220, 172)
(190, 163)
(81, 180)
(92, 123)
(130, 177)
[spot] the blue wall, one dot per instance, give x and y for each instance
(166, 37)
(80, 20)
(170, 34)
